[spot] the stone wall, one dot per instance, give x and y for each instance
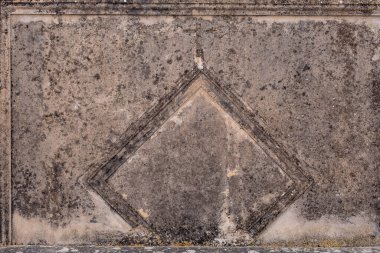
(218, 123)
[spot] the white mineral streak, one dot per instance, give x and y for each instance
(81, 229)
(199, 62)
(291, 226)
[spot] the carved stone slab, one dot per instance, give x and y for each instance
(199, 167)
(205, 123)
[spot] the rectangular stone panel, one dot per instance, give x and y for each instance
(194, 123)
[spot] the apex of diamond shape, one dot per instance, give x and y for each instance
(197, 167)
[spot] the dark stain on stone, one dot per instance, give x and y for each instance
(97, 76)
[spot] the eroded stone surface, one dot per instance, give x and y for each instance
(314, 83)
(68, 87)
(200, 177)
(79, 82)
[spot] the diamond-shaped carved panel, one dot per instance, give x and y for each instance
(198, 167)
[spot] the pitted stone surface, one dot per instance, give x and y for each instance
(200, 174)
(102, 249)
(196, 169)
(103, 142)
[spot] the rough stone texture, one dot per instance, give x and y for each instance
(320, 92)
(101, 249)
(171, 128)
(213, 176)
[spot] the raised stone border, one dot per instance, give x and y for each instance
(153, 119)
(196, 7)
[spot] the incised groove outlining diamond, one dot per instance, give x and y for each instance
(196, 161)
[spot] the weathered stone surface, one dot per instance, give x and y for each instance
(101, 249)
(214, 179)
(194, 123)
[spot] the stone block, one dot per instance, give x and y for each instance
(190, 123)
